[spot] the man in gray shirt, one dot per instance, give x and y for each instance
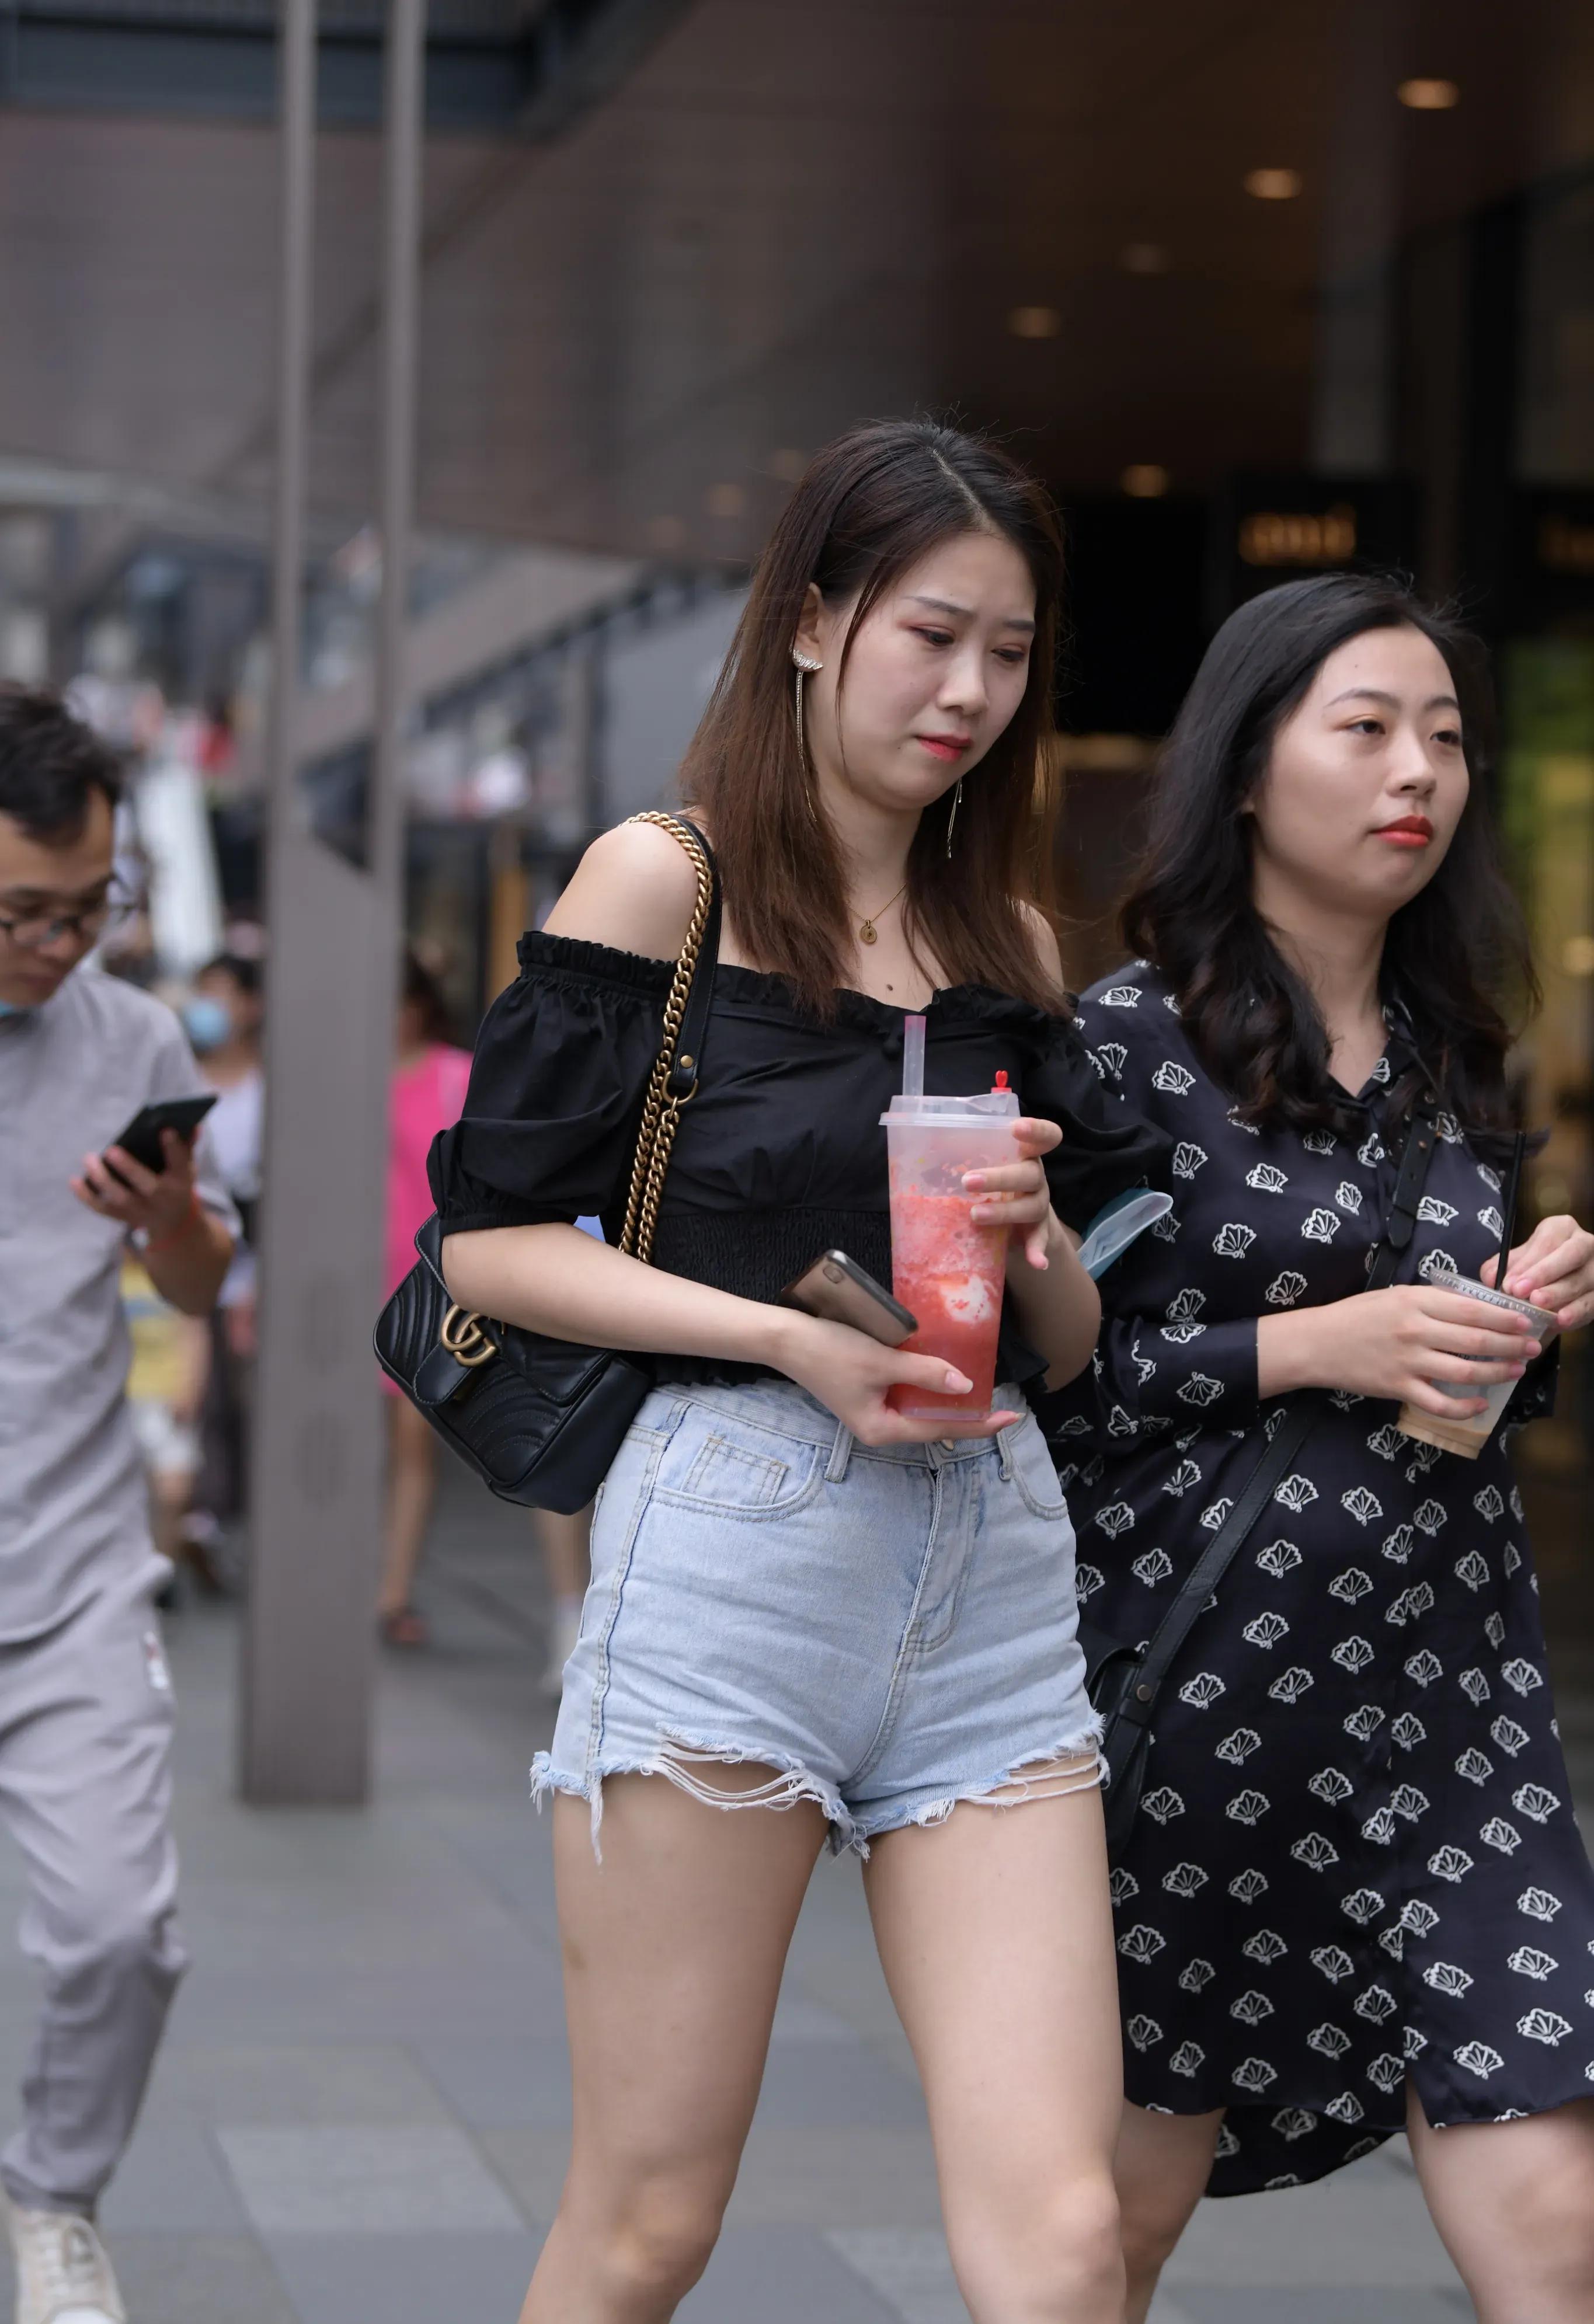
(85, 1698)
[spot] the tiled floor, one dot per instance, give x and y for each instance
(360, 2115)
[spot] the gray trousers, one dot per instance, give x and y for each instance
(85, 1789)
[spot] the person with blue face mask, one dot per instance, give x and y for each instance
(208, 1021)
(85, 1713)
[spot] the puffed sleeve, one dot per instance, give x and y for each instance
(1107, 1146)
(560, 1071)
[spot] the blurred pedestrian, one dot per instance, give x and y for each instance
(166, 1382)
(428, 1084)
(811, 1615)
(223, 1019)
(86, 1706)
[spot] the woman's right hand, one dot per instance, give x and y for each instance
(852, 1375)
(1396, 1345)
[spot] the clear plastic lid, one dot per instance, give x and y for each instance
(998, 1104)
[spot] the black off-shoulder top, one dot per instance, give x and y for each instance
(781, 1154)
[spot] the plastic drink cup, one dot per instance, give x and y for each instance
(1469, 1436)
(950, 1273)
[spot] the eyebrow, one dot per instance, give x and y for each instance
(966, 613)
(86, 895)
(1392, 701)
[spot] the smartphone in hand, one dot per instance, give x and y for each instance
(141, 1138)
(837, 1289)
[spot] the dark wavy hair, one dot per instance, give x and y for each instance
(871, 505)
(1455, 957)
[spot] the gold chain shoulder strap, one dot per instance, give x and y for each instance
(462, 1333)
(661, 1113)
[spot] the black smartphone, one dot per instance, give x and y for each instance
(838, 1289)
(141, 1137)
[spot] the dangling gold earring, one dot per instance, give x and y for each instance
(957, 800)
(806, 666)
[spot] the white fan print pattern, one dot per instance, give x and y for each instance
(1355, 1795)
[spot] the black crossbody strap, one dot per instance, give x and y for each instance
(1290, 1433)
(1410, 1179)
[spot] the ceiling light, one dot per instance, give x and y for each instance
(1144, 481)
(1429, 96)
(1034, 322)
(1273, 185)
(727, 500)
(1144, 258)
(789, 465)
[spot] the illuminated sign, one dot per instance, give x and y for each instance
(1294, 538)
(1550, 557)
(1286, 527)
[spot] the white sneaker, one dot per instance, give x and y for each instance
(62, 2273)
(564, 1629)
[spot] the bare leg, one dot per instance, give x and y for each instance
(412, 1484)
(1163, 2165)
(997, 1941)
(673, 1947)
(1514, 2203)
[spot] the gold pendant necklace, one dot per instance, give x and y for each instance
(867, 931)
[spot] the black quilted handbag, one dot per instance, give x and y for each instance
(540, 1420)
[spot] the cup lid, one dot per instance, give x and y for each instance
(952, 1112)
(1447, 1280)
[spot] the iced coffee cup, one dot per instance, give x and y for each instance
(949, 1272)
(1469, 1436)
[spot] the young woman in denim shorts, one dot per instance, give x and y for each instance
(809, 1615)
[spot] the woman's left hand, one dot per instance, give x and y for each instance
(1554, 1268)
(1016, 1194)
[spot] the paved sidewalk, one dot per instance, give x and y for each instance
(360, 2117)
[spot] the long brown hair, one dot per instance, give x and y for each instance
(871, 505)
(1453, 956)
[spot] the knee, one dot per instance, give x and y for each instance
(1060, 2257)
(1150, 2228)
(117, 1939)
(148, 1947)
(658, 2245)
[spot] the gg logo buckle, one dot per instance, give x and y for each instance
(463, 1336)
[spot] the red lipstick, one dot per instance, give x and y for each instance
(1410, 831)
(944, 746)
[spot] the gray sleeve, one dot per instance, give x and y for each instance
(174, 1074)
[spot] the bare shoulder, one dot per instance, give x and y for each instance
(1043, 936)
(634, 889)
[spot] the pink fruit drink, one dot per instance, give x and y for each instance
(950, 1272)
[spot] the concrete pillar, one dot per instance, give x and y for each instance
(306, 1695)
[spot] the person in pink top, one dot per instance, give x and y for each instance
(428, 1094)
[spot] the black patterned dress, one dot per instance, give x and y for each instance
(1355, 1858)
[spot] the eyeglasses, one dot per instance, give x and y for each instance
(31, 932)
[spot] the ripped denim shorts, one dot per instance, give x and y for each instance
(889, 1629)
